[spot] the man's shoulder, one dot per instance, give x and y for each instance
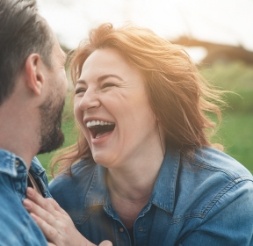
(17, 227)
(7, 162)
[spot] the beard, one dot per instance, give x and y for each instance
(51, 134)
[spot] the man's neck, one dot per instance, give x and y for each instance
(27, 158)
(18, 137)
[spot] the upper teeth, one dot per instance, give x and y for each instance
(97, 123)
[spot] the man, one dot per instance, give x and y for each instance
(32, 90)
(33, 85)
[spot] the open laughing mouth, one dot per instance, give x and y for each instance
(99, 128)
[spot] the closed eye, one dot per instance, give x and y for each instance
(80, 90)
(108, 85)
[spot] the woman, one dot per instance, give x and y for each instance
(144, 171)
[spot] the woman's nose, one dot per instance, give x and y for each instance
(89, 100)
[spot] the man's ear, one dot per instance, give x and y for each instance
(34, 73)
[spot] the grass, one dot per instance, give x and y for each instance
(236, 134)
(234, 77)
(236, 130)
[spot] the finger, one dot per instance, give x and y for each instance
(48, 204)
(38, 199)
(48, 217)
(41, 201)
(105, 243)
(50, 233)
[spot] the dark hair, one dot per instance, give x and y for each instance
(22, 32)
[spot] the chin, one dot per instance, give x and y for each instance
(102, 160)
(51, 142)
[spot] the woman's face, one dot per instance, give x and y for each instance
(112, 108)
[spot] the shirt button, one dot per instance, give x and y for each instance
(121, 229)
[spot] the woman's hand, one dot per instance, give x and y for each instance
(55, 223)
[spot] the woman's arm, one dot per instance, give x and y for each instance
(55, 223)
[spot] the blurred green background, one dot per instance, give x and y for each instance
(236, 130)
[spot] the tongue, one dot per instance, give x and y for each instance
(99, 131)
(99, 135)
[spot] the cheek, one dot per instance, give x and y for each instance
(77, 113)
(63, 82)
(79, 120)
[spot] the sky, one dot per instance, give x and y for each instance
(222, 21)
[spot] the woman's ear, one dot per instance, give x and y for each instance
(34, 73)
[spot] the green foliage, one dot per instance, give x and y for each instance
(236, 134)
(234, 77)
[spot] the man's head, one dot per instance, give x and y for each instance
(52, 107)
(22, 32)
(32, 69)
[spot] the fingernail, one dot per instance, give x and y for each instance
(29, 192)
(27, 203)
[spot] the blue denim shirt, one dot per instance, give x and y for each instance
(16, 225)
(206, 200)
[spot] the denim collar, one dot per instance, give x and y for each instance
(10, 161)
(97, 193)
(163, 195)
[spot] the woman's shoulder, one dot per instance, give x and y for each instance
(210, 181)
(210, 173)
(69, 189)
(217, 162)
(83, 167)
(80, 171)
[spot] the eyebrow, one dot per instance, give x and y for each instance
(100, 79)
